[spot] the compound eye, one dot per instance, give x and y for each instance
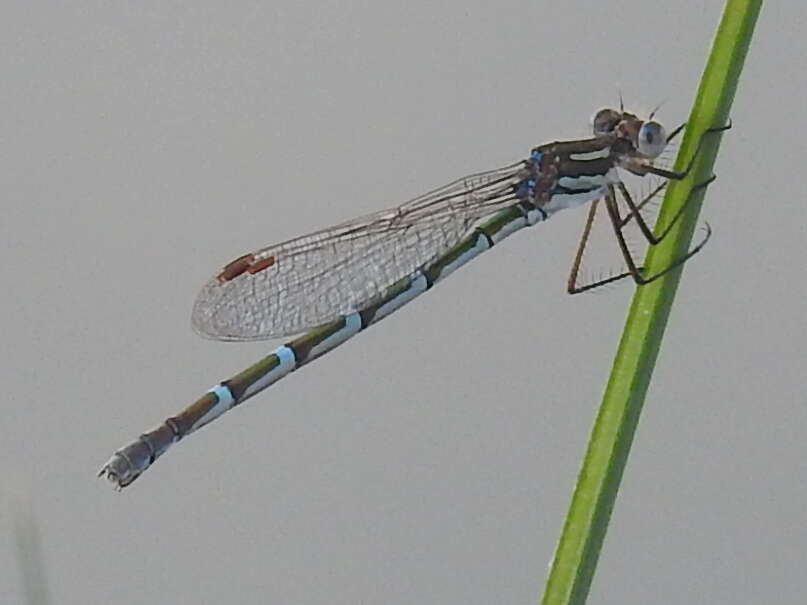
(605, 120)
(652, 139)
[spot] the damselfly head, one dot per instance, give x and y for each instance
(648, 138)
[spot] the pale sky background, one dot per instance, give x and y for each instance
(431, 459)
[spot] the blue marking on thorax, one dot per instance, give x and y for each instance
(525, 188)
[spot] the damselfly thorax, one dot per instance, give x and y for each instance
(333, 283)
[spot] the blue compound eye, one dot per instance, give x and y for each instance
(651, 140)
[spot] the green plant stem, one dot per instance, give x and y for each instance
(598, 481)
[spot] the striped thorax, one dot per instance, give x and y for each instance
(567, 174)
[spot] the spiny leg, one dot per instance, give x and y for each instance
(635, 209)
(633, 270)
(571, 283)
(618, 224)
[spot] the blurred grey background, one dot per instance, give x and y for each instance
(431, 459)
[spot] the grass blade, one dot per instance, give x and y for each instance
(599, 478)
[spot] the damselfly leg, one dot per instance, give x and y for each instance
(641, 205)
(634, 213)
(635, 271)
(618, 223)
(635, 210)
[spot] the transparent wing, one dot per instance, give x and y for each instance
(296, 285)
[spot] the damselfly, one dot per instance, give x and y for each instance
(334, 283)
